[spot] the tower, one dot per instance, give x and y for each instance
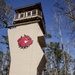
(26, 41)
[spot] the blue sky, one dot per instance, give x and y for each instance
(47, 6)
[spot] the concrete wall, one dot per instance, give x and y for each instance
(25, 61)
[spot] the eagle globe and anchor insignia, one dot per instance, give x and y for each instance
(24, 41)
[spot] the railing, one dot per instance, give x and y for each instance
(28, 14)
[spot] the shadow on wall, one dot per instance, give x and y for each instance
(41, 65)
(41, 41)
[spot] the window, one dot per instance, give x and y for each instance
(28, 13)
(21, 15)
(16, 17)
(33, 12)
(39, 13)
(24, 14)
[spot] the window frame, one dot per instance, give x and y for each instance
(35, 12)
(39, 13)
(27, 14)
(16, 16)
(22, 14)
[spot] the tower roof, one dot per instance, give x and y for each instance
(30, 7)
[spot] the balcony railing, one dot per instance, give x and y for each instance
(28, 14)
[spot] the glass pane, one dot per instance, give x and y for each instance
(21, 15)
(25, 14)
(39, 13)
(16, 16)
(28, 13)
(33, 12)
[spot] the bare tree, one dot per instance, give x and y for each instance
(67, 10)
(5, 14)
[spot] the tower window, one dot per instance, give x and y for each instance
(28, 13)
(21, 15)
(16, 17)
(25, 14)
(33, 12)
(39, 13)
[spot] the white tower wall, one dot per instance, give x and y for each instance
(25, 61)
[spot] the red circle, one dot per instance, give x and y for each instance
(24, 41)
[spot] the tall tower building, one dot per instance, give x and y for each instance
(26, 41)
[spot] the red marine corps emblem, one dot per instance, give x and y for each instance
(24, 41)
